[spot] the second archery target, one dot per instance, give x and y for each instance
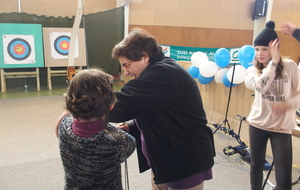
(56, 47)
(60, 42)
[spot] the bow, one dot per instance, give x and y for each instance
(71, 71)
(241, 149)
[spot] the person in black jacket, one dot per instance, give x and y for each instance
(290, 29)
(166, 114)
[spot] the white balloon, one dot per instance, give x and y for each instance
(239, 74)
(198, 58)
(219, 75)
(248, 83)
(208, 69)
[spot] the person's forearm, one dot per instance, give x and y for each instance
(64, 114)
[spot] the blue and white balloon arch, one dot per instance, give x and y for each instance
(219, 70)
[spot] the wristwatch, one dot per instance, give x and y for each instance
(271, 62)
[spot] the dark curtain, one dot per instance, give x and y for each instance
(103, 30)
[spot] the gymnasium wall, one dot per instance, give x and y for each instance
(55, 8)
(214, 24)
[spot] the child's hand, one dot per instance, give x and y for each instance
(123, 126)
(64, 114)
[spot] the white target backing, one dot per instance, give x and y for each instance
(18, 49)
(60, 42)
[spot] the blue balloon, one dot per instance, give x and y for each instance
(205, 80)
(222, 57)
(194, 71)
(246, 55)
(226, 82)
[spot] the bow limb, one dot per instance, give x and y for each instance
(71, 57)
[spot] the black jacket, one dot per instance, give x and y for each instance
(296, 34)
(167, 104)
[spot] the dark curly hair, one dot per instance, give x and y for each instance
(137, 44)
(90, 95)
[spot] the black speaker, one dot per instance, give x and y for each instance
(260, 8)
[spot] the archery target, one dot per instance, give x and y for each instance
(60, 43)
(18, 49)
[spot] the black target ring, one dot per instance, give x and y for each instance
(19, 49)
(59, 43)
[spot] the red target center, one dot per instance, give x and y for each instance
(64, 45)
(19, 49)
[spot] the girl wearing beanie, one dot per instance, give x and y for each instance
(272, 116)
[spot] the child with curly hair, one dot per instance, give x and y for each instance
(91, 149)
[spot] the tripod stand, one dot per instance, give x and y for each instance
(225, 121)
(242, 149)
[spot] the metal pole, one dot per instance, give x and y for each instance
(19, 6)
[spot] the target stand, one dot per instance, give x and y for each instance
(60, 71)
(56, 45)
(21, 52)
(21, 74)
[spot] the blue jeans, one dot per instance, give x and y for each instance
(281, 145)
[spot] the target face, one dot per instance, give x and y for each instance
(60, 43)
(18, 49)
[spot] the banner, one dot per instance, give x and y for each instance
(181, 53)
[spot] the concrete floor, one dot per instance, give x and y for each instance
(30, 160)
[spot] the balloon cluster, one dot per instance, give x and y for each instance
(206, 71)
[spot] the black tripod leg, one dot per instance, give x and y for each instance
(294, 183)
(217, 128)
(268, 175)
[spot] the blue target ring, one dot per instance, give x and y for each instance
(61, 45)
(19, 49)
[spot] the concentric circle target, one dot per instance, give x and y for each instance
(19, 49)
(61, 45)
